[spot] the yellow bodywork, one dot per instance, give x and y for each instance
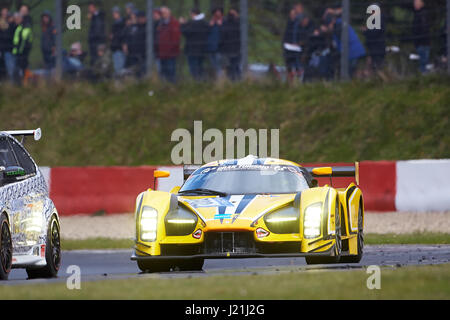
(251, 218)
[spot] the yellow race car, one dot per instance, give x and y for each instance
(249, 208)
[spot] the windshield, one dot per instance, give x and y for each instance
(248, 179)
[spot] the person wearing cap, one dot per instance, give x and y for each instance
(76, 49)
(7, 29)
(195, 32)
(130, 8)
(73, 62)
(96, 30)
(117, 40)
(48, 42)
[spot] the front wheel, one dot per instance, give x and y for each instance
(52, 253)
(337, 247)
(6, 249)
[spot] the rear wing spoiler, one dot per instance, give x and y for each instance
(339, 172)
(36, 134)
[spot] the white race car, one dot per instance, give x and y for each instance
(29, 222)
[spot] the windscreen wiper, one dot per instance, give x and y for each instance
(204, 191)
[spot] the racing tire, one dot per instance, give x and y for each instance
(6, 249)
(337, 247)
(52, 253)
(357, 258)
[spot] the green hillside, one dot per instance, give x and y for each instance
(107, 124)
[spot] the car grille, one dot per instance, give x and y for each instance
(229, 242)
(237, 243)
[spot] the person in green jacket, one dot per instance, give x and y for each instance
(22, 43)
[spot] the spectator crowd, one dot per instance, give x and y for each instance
(212, 44)
(122, 49)
(313, 50)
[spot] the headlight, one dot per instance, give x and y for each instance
(34, 222)
(283, 221)
(312, 221)
(148, 224)
(181, 222)
(33, 226)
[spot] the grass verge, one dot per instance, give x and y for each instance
(318, 122)
(411, 238)
(430, 282)
(372, 239)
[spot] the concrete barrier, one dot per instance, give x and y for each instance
(378, 184)
(93, 189)
(423, 185)
(376, 178)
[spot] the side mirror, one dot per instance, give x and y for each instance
(10, 174)
(325, 171)
(161, 174)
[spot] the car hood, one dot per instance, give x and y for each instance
(234, 212)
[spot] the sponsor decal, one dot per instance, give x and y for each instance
(222, 216)
(253, 167)
(18, 172)
(239, 204)
(208, 202)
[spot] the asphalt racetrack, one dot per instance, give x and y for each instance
(116, 264)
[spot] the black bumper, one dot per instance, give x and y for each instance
(232, 255)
